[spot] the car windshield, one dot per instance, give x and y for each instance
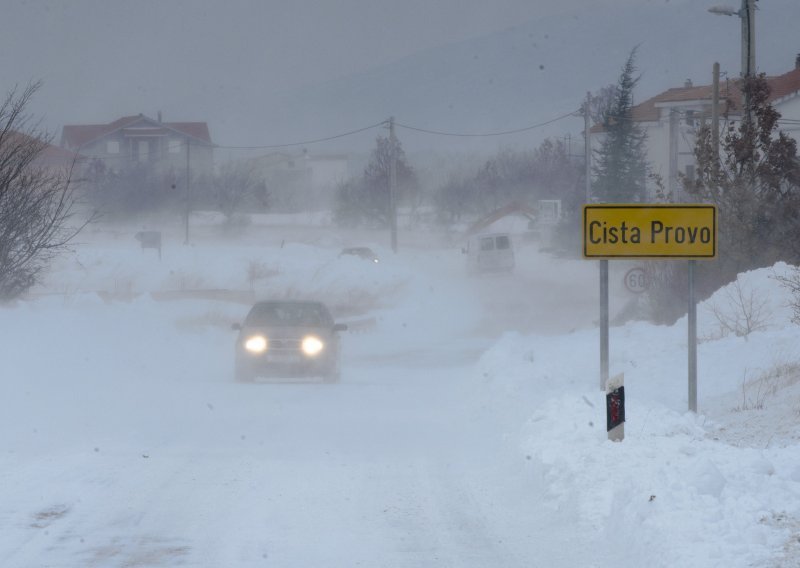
(288, 314)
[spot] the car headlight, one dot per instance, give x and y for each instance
(256, 344)
(312, 345)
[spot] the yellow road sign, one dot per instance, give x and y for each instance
(650, 231)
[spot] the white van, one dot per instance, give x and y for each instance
(491, 252)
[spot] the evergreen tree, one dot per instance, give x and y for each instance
(620, 163)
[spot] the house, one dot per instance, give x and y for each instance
(671, 119)
(140, 140)
(515, 218)
(301, 181)
(56, 160)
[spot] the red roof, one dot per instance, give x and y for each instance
(76, 135)
(729, 94)
(496, 215)
(49, 155)
(785, 84)
(54, 154)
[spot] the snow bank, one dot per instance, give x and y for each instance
(671, 494)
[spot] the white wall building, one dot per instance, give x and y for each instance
(672, 117)
(301, 181)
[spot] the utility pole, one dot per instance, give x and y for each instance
(747, 14)
(715, 117)
(587, 145)
(392, 184)
(672, 182)
(188, 192)
(748, 17)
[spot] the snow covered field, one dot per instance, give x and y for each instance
(468, 428)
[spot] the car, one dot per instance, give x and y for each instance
(361, 252)
(288, 338)
(491, 252)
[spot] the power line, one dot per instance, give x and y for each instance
(182, 144)
(484, 134)
(303, 143)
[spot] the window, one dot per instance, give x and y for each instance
(174, 146)
(289, 313)
(503, 243)
(550, 209)
(112, 147)
(690, 172)
(487, 243)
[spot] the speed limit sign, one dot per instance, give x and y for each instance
(636, 280)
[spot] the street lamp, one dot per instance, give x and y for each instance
(747, 13)
(723, 11)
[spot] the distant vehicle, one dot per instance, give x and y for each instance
(490, 253)
(361, 252)
(288, 339)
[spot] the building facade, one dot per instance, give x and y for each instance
(300, 181)
(671, 120)
(136, 141)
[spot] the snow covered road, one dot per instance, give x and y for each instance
(466, 431)
(390, 466)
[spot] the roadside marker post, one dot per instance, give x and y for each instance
(615, 408)
(655, 232)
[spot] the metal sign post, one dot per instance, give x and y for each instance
(603, 324)
(692, 341)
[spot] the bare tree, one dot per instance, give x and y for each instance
(512, 176)
(237, 187)
(36, 201)
(791, 281)
(365, 200)
(741, 312)
(755, 183)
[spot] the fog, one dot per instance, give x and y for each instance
(264, 73)
(145, 397)
(466, 427)
(459, 433)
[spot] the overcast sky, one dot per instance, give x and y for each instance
(231, 62)
(300, 41)
(103, 59)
